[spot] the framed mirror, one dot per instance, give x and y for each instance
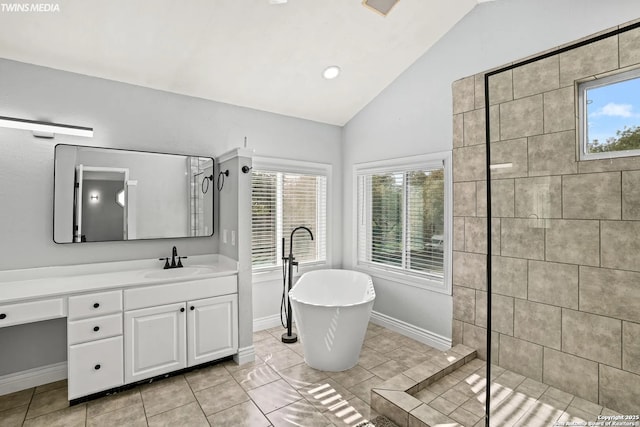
(107, 194)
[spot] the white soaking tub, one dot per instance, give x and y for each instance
(332, 309)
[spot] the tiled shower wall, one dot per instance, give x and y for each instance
(565, 233)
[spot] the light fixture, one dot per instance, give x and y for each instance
(277, 1)
(331, 72)
(94, 198)
(45, 129)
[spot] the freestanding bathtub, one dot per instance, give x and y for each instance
(332, 309)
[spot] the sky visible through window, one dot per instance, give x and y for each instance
(611, 108)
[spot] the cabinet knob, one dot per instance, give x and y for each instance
(96, 328)
(96, 367)
(3, 316)
(96, 305)
(192, 308)
(182, 310)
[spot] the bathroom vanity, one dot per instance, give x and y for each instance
(129, 321)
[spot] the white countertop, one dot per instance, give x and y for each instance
(43, 282)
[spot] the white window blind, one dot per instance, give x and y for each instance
(282, 201)
(401, 223)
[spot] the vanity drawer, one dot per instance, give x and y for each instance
(177, 292)
(95, 328)
(97, 304)
(95, 366)
(26, 312)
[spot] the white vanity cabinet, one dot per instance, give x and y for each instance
(174, 326)
(94, 337)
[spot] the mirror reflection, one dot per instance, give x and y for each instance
(105, 194)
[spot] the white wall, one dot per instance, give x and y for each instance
(414, 114)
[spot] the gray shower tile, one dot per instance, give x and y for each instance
(553, 283)
(573, 241)
(601, 291)
(552, 154)
(631, 347)
(509, 276)
(559, 110)
(464, 304)
(502, 197)
(537, 77)
(521, 238)
(479, 90)
(592, 196)
(512, 153)
(629, 51)
(474, 127)
(620, 245)
(539, 197)
(463, 95)
(619, 390)
(538, 323)
(458, 130)
(469, 163)
(521, 356)
(630, 197)
(573, 374)
(469, 270)
(501, 87)
(593, 58)
(464, 199)
(593, 337)
(521, 118)
(475, 235)
(458, 233)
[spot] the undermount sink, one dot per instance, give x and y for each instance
(179, 272)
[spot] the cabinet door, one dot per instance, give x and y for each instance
(155, 341)
(213, 328)
(95, 366)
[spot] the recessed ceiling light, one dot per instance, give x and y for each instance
(277, 1)
(331, 72)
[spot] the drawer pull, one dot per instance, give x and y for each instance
(96, 305)
(182, 310)
(192, 308)
(96, 367)
(3, 316)
(96, 328)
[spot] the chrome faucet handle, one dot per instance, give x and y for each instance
(166, 262)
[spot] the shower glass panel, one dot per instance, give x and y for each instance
(563, 294)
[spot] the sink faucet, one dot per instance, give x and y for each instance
(174, 254)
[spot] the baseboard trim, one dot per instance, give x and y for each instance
(245, 355)
(32, 377)
(419, 334)
(267, 322)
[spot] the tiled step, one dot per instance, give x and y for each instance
(394, 398)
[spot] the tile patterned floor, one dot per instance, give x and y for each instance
(279, 389)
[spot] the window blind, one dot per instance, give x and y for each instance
(401, 220)
(281, 202)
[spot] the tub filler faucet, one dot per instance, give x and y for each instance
(289, 337)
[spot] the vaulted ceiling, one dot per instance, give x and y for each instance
(250, 53)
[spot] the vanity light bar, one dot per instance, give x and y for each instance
(45, 127)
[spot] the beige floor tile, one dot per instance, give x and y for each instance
(297, 347)
(363, 389)
(382, 343)
(585, 405)
(510, 379)
(255, 376)
(302, 375)
(431, 417)
(13, 417)
(325, 393)
(244, 414)
(273, 396)
(48, 401)
(187, 415)
(352, 376)
(221, 397)
(268, 346)
(207, 377)
(350, 412)
(51, 386)
(283, 359)
(389, 369)
(261, 335)
(454, 396)
(13, 400)
(113, 402)
(425, 396)
(532, 388)
(443, 405)
(300, 413)
(370, 358)
(443, 384)
(464, 417)
(130, 416)
(74, 416)
(166, 394)
(233, 367)
(408, 356)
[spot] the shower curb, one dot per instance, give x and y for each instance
(394, 397)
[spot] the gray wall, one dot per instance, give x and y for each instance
(129, 117)
(413, 115)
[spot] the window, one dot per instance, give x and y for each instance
(283, 198)
(402, 219)
(609, 110)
